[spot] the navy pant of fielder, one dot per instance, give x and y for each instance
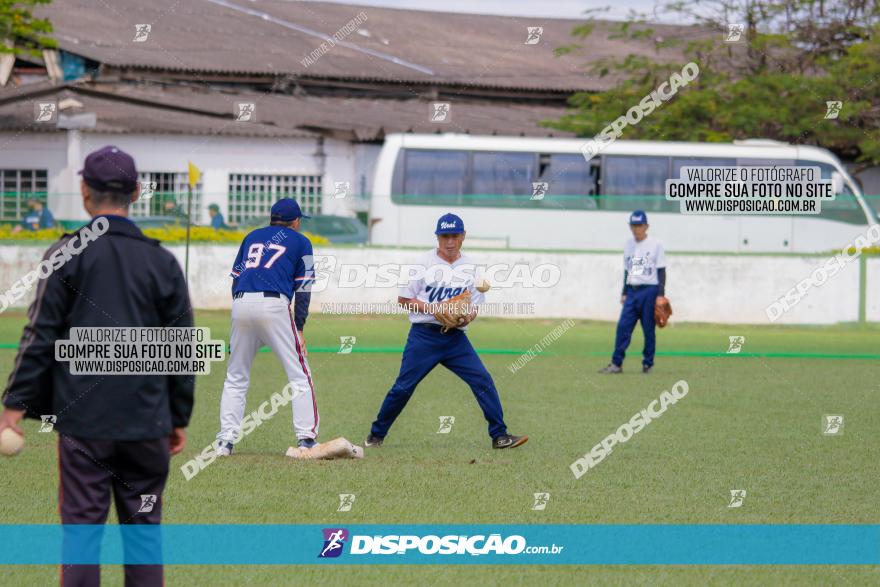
(638, 307)
(427, 347)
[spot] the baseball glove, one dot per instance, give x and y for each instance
(662, 311)
(453, 312)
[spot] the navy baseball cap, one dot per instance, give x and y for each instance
(286, 210)
(449, 224)
(638, 217)
(110, 169)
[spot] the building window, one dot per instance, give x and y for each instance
(170, 195)
(18, 186)
(251, 196)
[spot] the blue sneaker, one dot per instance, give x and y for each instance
(225, 449)
(306, 442)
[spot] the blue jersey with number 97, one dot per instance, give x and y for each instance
(273, 258)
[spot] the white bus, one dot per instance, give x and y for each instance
(488, 181)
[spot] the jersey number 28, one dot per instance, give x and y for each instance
(255, 253)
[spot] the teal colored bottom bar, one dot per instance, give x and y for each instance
(484, 544)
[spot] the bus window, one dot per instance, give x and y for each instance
(502, 179)
(845, 207)
(636, 182)
(573, 183)
(430, 177)
(679, 162)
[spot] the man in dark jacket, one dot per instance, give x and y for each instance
(116, 432)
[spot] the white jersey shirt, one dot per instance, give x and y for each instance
(436, 281)
(641, 260)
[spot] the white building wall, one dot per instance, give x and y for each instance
(43, 151)
(366, 156)
(339, 167)
(63, 155)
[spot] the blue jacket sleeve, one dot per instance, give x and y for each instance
(30, 383)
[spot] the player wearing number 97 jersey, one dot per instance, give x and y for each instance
(274, 269)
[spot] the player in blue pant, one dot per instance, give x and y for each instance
(444, 273)
(644, 279)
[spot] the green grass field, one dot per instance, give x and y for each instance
(748, 422)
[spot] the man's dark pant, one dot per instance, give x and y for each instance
(93, 469)
(638, 307)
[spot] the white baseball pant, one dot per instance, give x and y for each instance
(258, 321)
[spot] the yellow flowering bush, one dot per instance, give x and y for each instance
(852, 251)
(46, 234)
(206, 234)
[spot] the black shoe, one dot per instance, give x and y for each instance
(306, 442)
(509, 441)
(612, 368)
(646, 369)
(373, 441)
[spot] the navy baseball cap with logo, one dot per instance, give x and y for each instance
(638, 217)
(110, 169)
(449, 224)
(286, 210)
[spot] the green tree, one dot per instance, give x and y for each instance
(21, 33)
(793, 57)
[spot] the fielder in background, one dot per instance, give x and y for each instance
(273, 269)
(430, 343)
(644, 282)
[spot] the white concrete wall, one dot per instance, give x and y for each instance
(872, 293)
(703, 288)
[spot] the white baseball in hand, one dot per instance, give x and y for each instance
(11, 442)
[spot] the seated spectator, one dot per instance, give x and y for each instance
(172, 209)
(217, 221)
(38, 217)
